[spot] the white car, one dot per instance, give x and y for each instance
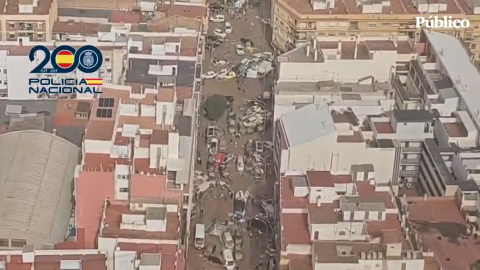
(240, 164)
(229, 262)
(209, 75)
(219, 33)
(218, 18)
(219, 63)
(239, 49)
(228, 28)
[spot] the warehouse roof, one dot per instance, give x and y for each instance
(36, 173)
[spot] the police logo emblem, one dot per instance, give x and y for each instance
(88, 60)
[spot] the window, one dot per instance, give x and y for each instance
(372, 25)
(123, 189)
(107, 59)
(122, 177)
(473, 46)
(11, 36)
(5, 71)
(4, 242)
(341, 233)
(11, 25)
(19, 242)
(40, 36)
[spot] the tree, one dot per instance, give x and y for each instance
(215, 106)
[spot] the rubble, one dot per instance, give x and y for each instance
(253, 118)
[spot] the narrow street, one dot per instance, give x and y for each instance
(248, 26)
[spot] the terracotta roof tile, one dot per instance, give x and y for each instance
(125, 17)
(159, 137)
(295, 228)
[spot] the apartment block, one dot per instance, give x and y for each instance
(339, 60)
(47, 259)
(28, 20)
(342, 142)
(408, 129)
(296, 21)
(343, 221)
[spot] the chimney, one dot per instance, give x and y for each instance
(308, 50)
(315, 43)
(316, 55)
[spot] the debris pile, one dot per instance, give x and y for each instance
(253, 118)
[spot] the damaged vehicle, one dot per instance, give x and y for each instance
(213, 146)
(209, 250)
(219, 63)
(238, 252)
(219, 33)
(231, 122)
(209, 75)
(228, 28)
(227, 75)
(218, 18)
(239, 204)
(239, 49)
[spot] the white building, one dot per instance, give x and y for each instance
(344, 222)
(315, 138)
(361, 99)
(358, 61)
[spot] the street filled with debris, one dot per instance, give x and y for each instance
(232, 216)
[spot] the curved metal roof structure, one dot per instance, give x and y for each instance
(36, 176)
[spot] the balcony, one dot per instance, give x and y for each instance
(410, 161)
(412, 149)
(409, 173)
(25, 27)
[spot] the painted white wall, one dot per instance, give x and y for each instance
(165, 113)
(97, 147)
(19, 67)
(347, 71)
(158, 156)
(338, 157)
(125, 260)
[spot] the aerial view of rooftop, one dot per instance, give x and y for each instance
(239, 135)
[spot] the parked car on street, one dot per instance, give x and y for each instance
(214, 260)
(239, 49)
(240, 164)
(218, 18)
(238, 252)
(229, 262)
(220, 33)
(228, 28)
(209, 75)
(209, 250)
(238, 238)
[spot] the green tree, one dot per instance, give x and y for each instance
(215, 106)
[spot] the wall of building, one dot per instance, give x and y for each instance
(345, 71)
(338, 157)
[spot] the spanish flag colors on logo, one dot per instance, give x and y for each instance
(64, 59)
(94, 81)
